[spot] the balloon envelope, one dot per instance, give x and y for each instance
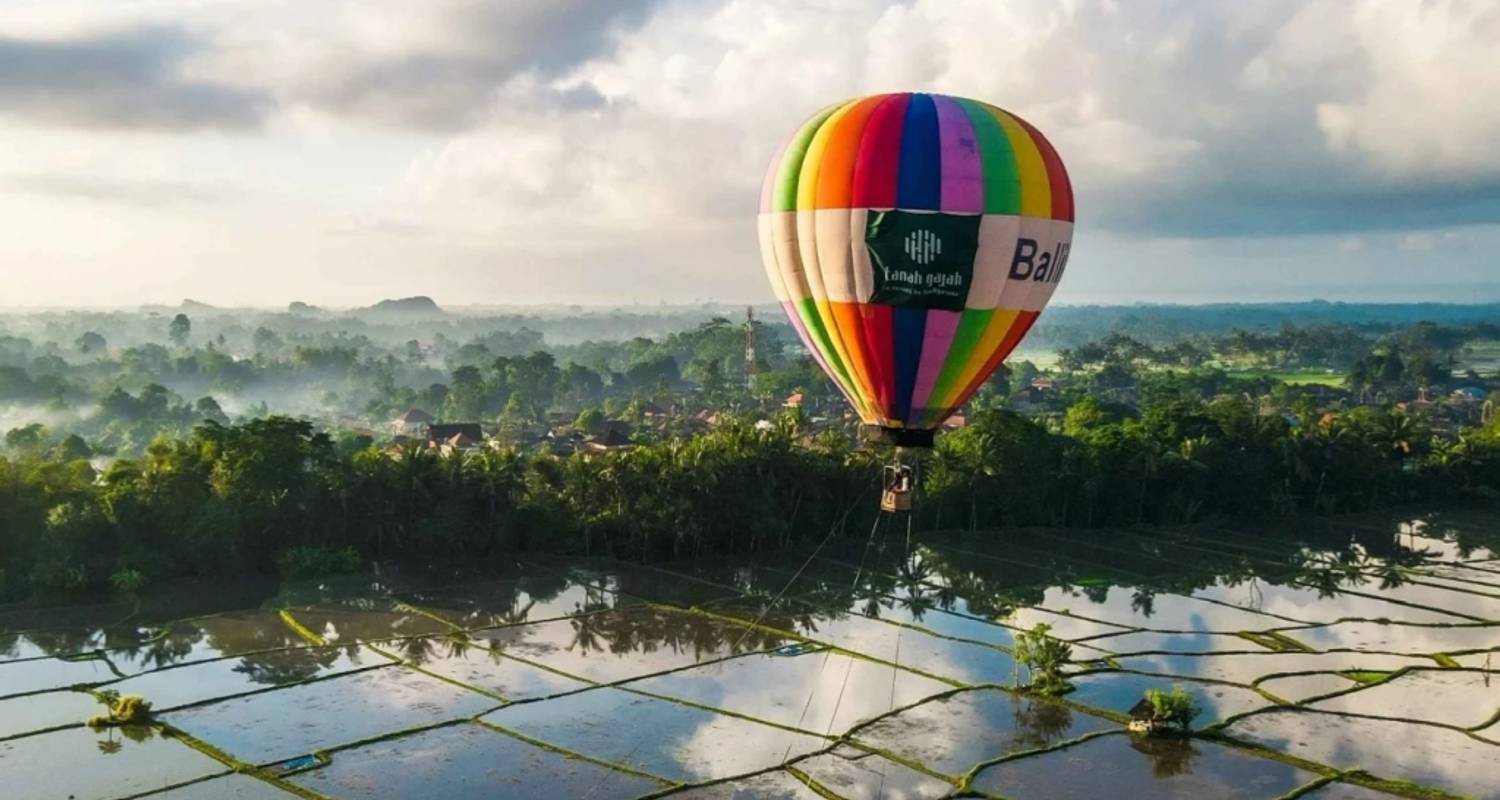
(913, 239)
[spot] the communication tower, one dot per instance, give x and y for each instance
(749, 345)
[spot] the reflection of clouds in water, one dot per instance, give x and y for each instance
(1474, 605)
(1488, 661)
(1297, 688)
(1062, 626)
(821, 692)
(955, 660)
(1397, 638)
(715, 750)
(1445, 550)
(953, 734)
(1150, 641)
(717, 746)
(857, 775)
(1302, 603)
(1120, 691)
(1244, 668)
(1453, 697)
(1160, 611)
(660, 737)
(1387, 749)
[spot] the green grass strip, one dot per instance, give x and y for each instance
(1276, 641)
(565, 752)
(812, 784)
(966, 781)
(435, 676)
(402, 605)
(1368, 677)
(300, 629)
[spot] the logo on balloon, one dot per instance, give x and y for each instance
(923, 247)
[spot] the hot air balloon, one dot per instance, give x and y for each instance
(913, 239)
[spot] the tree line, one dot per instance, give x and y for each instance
(276, 493)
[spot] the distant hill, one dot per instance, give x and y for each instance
(300, 308)
(420, 307)
(1070, 326)
(193, 305)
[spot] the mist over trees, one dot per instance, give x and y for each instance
(199, 440)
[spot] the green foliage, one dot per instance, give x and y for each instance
(71, 448)
(315, 562)
(1175, 708)
(179, 329)
(120, 709)
(1043, 656)
(127, 580)
(1168, 424)
(26, 437)
(1367, 676)
(590, 420)
(90, 342)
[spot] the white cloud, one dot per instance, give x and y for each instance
(1429, 240)
(491, 141)
(1429, 72)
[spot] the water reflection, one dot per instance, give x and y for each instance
(953, 734)
(469, 761)
(627, 643)
(113, 762)
(907, 625)
(1122, 766)
(1169, 756)
(1426, 754)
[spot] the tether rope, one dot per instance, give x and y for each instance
(827, 653)
(832, 529)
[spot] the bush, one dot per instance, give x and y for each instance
(1043, 656)
(313, 562)
(127, 580)
(130, 709)
(1175, 708)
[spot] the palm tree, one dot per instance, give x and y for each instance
(1398, 434)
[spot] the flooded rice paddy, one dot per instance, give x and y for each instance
(1338, 659)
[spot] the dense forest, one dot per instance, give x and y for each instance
(142, 445)
(275, 493)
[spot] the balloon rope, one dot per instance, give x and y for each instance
(777, 599)
(853, 587)
(891, 704)
(832, 529)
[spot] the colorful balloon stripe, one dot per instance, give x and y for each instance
(953, 303)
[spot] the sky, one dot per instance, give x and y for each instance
(255, 152)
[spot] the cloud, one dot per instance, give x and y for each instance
(1208, 121)
(616, 149)
(435, 66)
(123, 79)
(1425, 107)
(136, 191)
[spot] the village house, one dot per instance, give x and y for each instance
(652, 412)
(615, 436)
(412, 423)
(449, 437)
(1143, 717)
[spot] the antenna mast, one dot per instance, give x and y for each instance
(749, 346)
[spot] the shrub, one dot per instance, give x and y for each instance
(312, 562)
(130, 709)
(1175, 708)
(127, 580)
(1043, 656)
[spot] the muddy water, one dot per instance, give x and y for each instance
(862, 671)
